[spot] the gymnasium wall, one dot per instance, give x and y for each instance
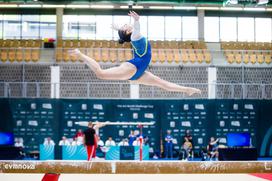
(35, 119)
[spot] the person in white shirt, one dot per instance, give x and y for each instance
(110, 142)
(76, 142)
(136, 142)
(64, 141)
(48, 141)
(100, 142)
(124, 142)
(80, 136)
(19, 142)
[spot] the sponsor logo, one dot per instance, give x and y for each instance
(17, 166)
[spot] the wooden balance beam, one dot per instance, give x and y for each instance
(134, 167)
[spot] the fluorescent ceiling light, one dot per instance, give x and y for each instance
(77, 6)
(30, 5)
(254, 9)
(268, 9)
(185, 8)
(261, 2)
(102, 6)
(53, 6)
(231, 9)
(137, 7)
(208, 8)
(8, 5)
(133, 7)
(124, 7)
(160, 7)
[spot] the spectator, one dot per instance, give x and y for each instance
(186, 149)
(100, 147)
(212, 148)
(124, 142)
(75, 142)
(80, 136)
(146, 140)
(203, 154)
(131, 137)
(100, 143)
(64, 141)
(137, 142)
(19, 142)
(189, 136)
(48, 141)
(110, 142)
(168, 145)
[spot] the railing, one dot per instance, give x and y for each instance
(121, 90)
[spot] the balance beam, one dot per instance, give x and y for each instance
(135, 167)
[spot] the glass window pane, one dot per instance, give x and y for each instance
(143, 23)
(70, 26)
(103, 27)
(156, 27)
(245, 29)
(12, 26)
(87, 27)
(48, 26)
(170, 32)
(211, 29)
(190, 28)
(263, 29)
(1, 26)
(228, 29)
(120, 21)
(30, 26)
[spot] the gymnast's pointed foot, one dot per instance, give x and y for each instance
(190, 91)
(76, 53)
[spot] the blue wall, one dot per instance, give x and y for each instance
(35, 119)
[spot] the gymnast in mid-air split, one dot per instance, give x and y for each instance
(133, 70)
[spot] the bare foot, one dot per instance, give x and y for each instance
(75, 53)
(190, 91)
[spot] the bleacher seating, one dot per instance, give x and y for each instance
(20, 50)
(247, 52)
(100, 50)
(112, 51)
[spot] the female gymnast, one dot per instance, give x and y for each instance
(134, 69)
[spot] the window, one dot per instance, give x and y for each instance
(156, 27)
(30, 26)
(70, 26)
(263, 29)
(87, 27)
(48, 26)
(1, 26)
(143, 23)
(120, 21)
(245, 29)
(190, 28)
(228, 29)
(103, 27)
(170, 32)
(211, 29)
(12, 26)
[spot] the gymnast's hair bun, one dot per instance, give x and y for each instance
(121, 41)
(124, 37)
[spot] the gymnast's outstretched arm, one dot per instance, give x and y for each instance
(136, 33)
